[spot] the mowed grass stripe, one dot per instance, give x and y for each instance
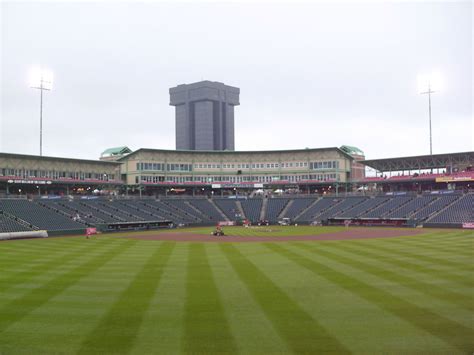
(466, 300)
(418, 262)
(443, 257)
(442, 244)
(302, 333)
(32, 246)
(30, 255)
(117, 330)
(451, 332)
(434, 246)
(378, 270)
(251, 329)
(55, 261)
(400, 248)
(163, 324)
(20, 307)
(206, 327)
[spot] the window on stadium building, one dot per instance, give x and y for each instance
(53, 174)
(333, 164)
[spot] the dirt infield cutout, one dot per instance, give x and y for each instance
(350, 234)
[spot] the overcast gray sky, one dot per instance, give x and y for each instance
(311, 75)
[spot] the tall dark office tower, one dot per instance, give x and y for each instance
(204, 115)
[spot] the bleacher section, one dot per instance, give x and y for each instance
(207, 209)
(252, 208)
(229, 207)
(436, 206)
(131, 208)
(407, 210)
(365, 206)
(385, 208)
(184, 209)
(64, 214)
(8, 225)
(168, 211)
(86, 211)
(152, 210)
(348, 203)
(108, 208)
(317, 208)
(69, 209)
(298, 206)
(274, 207)
(39, 216)
(461, 211)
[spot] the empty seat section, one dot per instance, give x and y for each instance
(411, 207)
(9, 225)
(187, 213)
(87, 213)
(229, 207)
(252, 209)
(169, 212)
(207, 209)
(130, 209)
(158, 215)
(108, 216)
(298, 205)
(194, 215)
(61, 207)
(320, 206)
(437, 205)
(338, 209)
(113, 209)
(274, 207)
(366, 205)
(39, 216)
(461, 211)
(387, 207)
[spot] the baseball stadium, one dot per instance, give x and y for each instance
(310, 223)
(191, 251)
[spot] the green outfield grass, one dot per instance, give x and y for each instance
(119, 295)
(261, 231)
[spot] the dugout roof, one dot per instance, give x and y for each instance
(434, 161)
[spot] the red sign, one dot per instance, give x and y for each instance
(468, 225)
(226, 223)
(90, 231)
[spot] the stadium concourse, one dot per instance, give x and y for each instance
(151, 188)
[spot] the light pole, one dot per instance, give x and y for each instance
(429, 92)
(42, 80)
(426, 84)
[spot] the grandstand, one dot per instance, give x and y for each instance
(11, 224)
(450, 209)
(39, 217)
(275, 207)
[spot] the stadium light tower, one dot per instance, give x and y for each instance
(41, 79)
(427, 84)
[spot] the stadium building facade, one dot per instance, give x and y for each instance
(39, 175)
(158, 170)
